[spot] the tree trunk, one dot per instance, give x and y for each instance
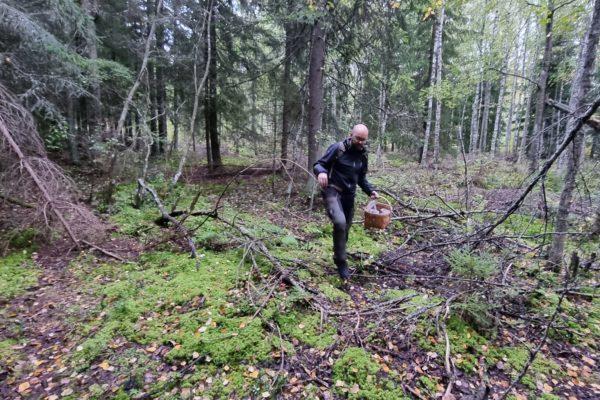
(579, 89)
(315, 90)
(438, 82)
(474, 131)
(509, 121)
(153, 106)
(487, 98)
(541, 91)
(210, 109)
(286, 88)
(499, 103)
(73, 142)
(382, 117)
(435, 58)
(161, 91)
(175, 121)
(94, 105)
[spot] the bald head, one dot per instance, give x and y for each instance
(360, 128)
(359, 136)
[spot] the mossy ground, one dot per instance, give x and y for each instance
(170, 328)
(199, 315)
(17, 273)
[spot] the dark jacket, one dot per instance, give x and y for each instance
(346, 167)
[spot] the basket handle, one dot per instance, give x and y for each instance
(389, 203)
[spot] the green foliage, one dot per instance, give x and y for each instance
(23, 239)
(472, 266)
(17, 273)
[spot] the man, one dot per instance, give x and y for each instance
(343, 166)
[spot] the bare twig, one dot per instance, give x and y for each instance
(183, 231)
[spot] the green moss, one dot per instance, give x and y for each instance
(8, 356)
(156, 301)
(307, 329)
(466, 343)
(17, 273)
(333, 293)
(412, 304)
(517, 357)
(227, 340)
(355, 376)
(312, 228)
(428, 384)
(548, 396)
(355, 366)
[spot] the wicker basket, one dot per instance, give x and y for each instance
(379, 219)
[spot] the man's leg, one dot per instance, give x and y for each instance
(340, 232)
(347, 202)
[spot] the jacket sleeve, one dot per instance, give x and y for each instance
(363, 182)
(324, 163)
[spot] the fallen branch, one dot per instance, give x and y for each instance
(435, 213)
(182, 230)
(103, 251)
(15, 147)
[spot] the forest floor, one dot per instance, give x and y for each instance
(261, 312)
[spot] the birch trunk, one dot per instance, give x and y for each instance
(432, 79)
(579, 89)
(498, 116)
(487, 95)
(474, 137)
(438, 83)
(508, 137)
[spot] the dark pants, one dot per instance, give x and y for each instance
(340, 208)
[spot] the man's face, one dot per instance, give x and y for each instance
(359, 138)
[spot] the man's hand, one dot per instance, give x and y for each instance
(374, 195)
(323, 181)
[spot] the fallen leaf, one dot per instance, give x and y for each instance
(66, 392)
(354, 389)
(23, 387)
(104, 365)
(588, 360)
(151, 349)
